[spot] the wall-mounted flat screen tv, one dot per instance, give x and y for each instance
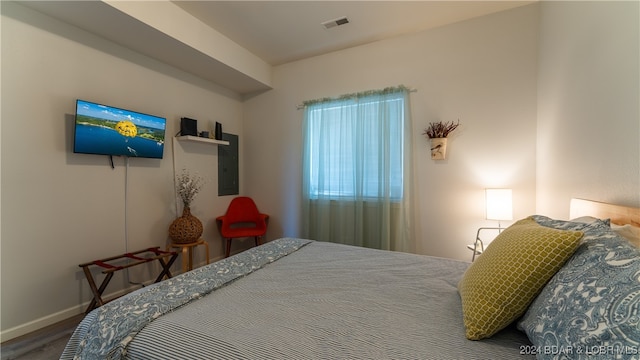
(107, 130)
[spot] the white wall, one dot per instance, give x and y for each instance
(482, 71)
(588, 104)
(61, 209)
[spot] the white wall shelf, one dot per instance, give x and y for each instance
(201, 139)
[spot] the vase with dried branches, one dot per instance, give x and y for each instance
(437, 133)
(187, 228)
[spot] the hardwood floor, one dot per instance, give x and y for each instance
(44, 344)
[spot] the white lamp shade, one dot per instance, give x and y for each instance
(499, 204)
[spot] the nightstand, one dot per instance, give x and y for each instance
(478, 246)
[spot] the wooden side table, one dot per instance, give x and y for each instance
(187, 253)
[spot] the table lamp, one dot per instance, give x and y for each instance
(499, 207)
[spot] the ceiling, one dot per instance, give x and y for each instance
(275, 32)
(284, 31)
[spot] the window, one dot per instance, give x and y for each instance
(355, 148)
(357, 170)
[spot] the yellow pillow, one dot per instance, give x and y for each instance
(499, 286)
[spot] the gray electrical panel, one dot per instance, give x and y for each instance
(228, 176)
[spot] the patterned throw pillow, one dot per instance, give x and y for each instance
(499, 286)
(591, 308)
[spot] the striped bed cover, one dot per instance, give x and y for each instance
(324, 301)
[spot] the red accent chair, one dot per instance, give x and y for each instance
(242, 220)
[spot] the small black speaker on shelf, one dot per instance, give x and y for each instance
(188, 126)
(218, 133)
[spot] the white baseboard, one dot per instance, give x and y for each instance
(65, 314)
(56, 317)
(42, 322)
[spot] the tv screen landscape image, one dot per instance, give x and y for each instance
(107, 130)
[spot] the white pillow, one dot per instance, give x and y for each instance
(628, 232)
(588, 220)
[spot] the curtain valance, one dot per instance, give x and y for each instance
(387, 90)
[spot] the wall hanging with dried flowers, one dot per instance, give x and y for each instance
(437, 133)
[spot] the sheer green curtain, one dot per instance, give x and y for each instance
(357, 169)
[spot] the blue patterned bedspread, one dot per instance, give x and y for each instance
(105, 332)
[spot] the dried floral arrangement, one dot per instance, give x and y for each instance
(188, 186)
(440, 129)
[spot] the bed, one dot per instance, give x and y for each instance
(302, 299)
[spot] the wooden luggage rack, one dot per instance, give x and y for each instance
(147, 255)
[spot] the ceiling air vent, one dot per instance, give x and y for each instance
(335, 22)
